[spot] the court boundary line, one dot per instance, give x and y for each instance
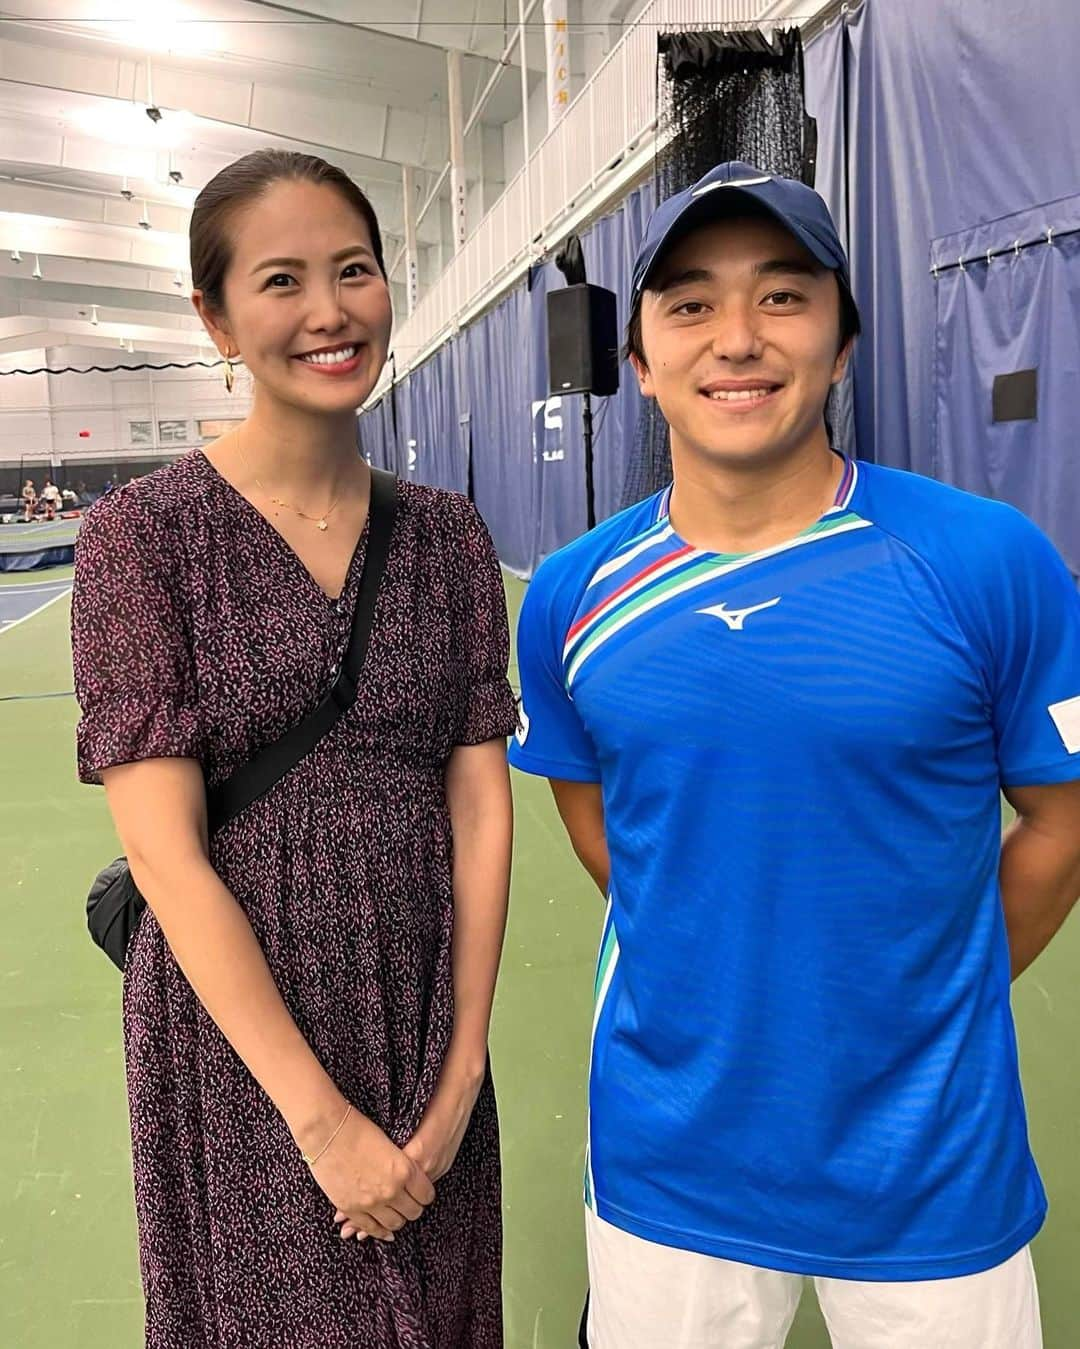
(7, 627)
(18, 589)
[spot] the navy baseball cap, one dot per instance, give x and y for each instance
(794, 205)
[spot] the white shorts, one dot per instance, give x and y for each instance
(647, 1296)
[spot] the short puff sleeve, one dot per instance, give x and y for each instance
(131, 649)
(488, 707)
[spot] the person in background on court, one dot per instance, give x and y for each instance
(50, 495)
(306, 1000)
(777, 703)
(29, 500)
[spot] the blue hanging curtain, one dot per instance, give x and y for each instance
(883, 84)
(502, 458)
(826, 102)
(1007, 367)
(376, 435)
(429, 440)
(555, 432)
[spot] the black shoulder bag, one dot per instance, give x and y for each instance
(114, 905)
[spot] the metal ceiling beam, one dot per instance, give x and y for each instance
(308, 11)
(247, 106)
(26, 334)
(150, 249)
(34, 298)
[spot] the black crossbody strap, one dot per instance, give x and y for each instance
(269, 766)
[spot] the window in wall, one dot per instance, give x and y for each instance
(141, 433)
(214, 427)
(172, 432)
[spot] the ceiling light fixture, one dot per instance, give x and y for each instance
(123, 123)
(178, 280)
(16, 256)
(163, 27)
(37, 268)
(144, 219)
(93, 315)
(126, 192)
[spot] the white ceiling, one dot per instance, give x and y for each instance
(363, 84)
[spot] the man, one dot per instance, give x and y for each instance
(776, 703)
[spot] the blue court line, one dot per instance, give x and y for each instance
(23, 601)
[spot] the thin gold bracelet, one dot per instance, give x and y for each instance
(312, 1160)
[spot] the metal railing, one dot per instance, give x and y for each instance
(610, 116)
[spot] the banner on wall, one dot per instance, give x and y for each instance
(557, 36)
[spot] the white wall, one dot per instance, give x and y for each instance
(25, 423)
(42, 414)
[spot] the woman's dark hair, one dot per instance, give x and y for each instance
(243, 183)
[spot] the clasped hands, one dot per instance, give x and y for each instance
(377, 1187)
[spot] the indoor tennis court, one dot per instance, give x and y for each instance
(736, 343)
(68, 1256)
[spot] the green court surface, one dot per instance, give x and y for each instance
(68, 1270)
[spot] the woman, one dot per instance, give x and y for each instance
(29, 501)
(294, 987)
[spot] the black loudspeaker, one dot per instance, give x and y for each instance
(583, 340)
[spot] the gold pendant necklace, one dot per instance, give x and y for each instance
(320, 521)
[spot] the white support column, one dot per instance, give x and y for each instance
(523, 55)
(457, 147)
(557, 47)
(412, 274)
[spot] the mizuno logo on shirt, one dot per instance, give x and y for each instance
(736, 618)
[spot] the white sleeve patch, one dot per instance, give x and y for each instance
(522, 732)
(1066, 717)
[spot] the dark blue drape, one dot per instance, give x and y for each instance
(376, 435)
(1016, 312)
(610, 246)
(480, 408)
(497, 379)
(951, 121)
(558, 445)
(826, 100)
(917, 164)
(429, 439)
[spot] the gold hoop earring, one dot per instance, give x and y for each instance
(230, 375)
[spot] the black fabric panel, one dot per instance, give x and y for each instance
(1016, 396)
(688, 54)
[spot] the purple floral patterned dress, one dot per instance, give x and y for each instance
(198, 632)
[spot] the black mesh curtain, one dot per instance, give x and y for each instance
(719, 96)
